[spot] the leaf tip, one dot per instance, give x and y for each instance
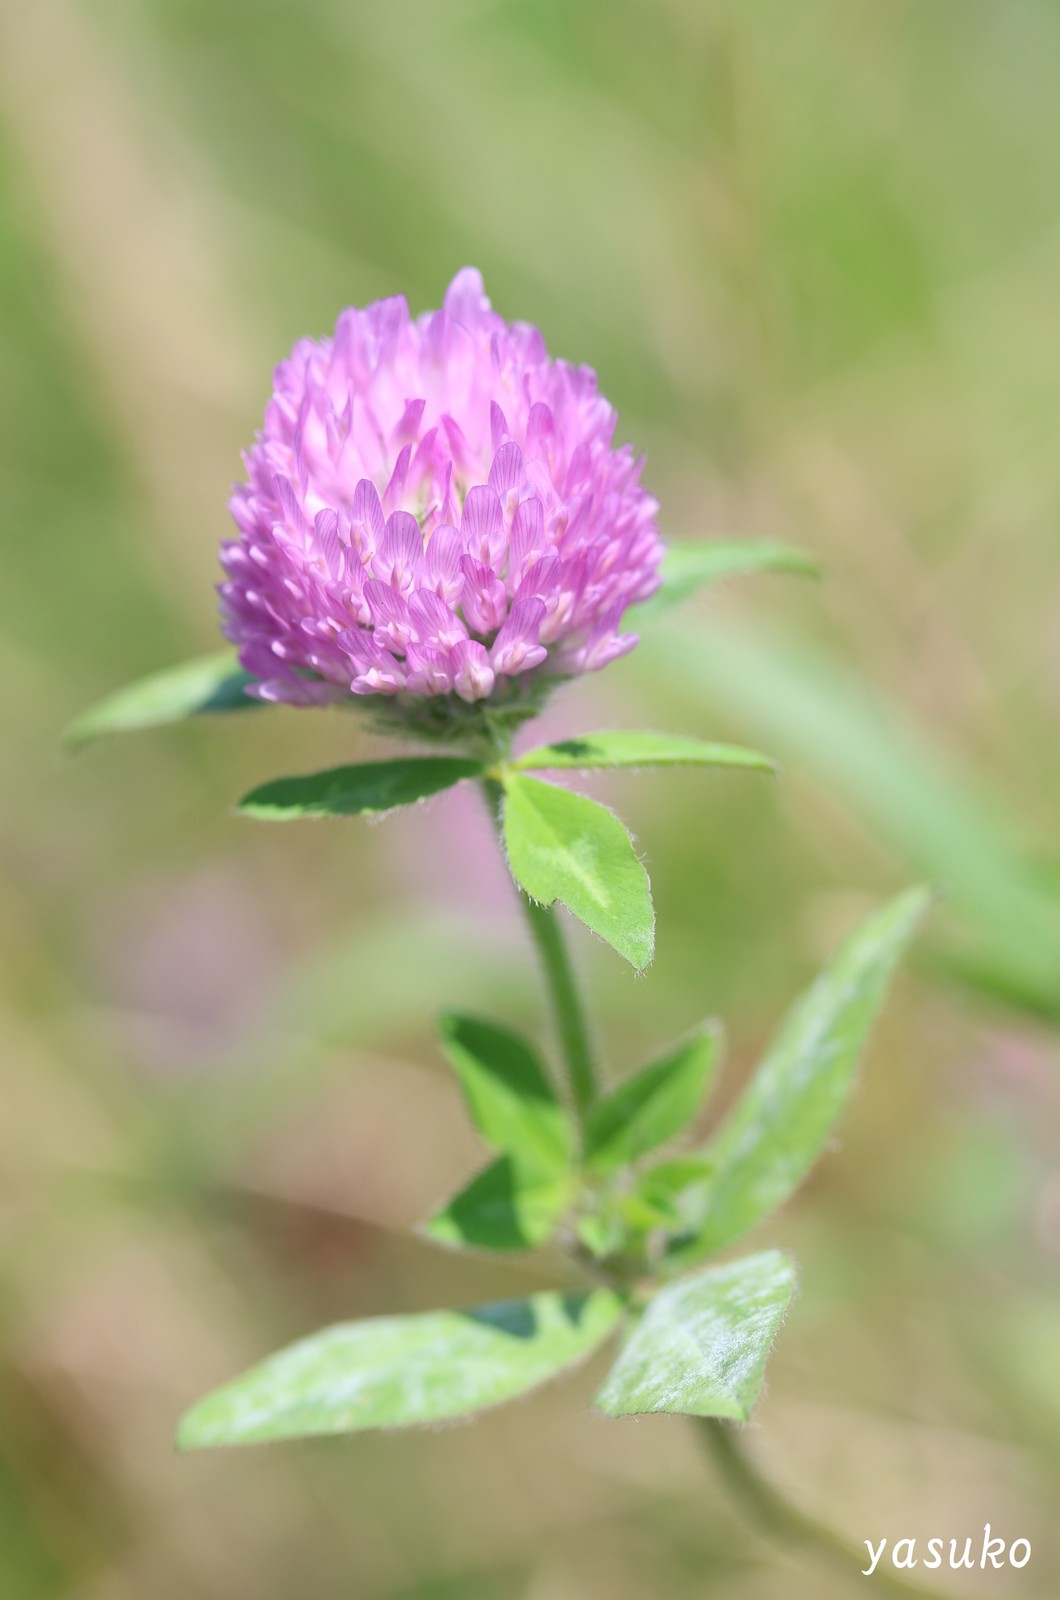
(188, 1434)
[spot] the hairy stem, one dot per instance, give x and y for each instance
(571, 1022)
(782, 1522)
(567, 1009)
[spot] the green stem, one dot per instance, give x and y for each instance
(571, 1022)
(568, 1012)
(782, 1522)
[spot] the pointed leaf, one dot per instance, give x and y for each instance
(691, 564)
(782, 1121)
(649, 1108)
(511, 1101)
(362, 790)
(622, 749)
(562, 846)
(700, 1348)
(208, 684)
(394, 1371)
(508, 1206)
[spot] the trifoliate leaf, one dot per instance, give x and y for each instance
(700, 1346)
(781, 1123)
(511, 1101)
(562, 846)
(508, 1206)
(623, 749)
(362, 790)
(692, 564)
(390, 1372)
(208, 684)
(674, 1192)
(653, 1105)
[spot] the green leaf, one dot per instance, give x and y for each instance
(674, 1192)
(701, 1345)
(638, 750)
(562, 846)
(208, 684)
(782, 1121)
(691, 564)
(511, 1101)
(394, 1371)
(508, 1206)
(362, 790)
(649, 1108)
(601, 1233)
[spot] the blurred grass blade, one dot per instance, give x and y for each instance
(701, 1345)
(208, 684)
(509, 1097)
(508, 1206)
(690, 565)
(823, 723)
(781, 1122)
(362, 790)
(391, 1372)
(562, 846)
(653, 1105)
(620, 749)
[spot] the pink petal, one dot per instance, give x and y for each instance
(399, 558)
(473, 677)
(484, 598)
(516, 647)
(482, 525)
(442, 571)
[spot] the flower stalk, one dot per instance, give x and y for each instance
(776, 1517)
(568, 1012)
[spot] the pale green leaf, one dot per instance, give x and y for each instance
(653, 1105)
(622, 749)
(781, 1123)
(508, 1206)
(391, 1372)
(511, 1101)
(674, 1192)
(562, 846)
(700, 1347)
(689, 565)
(362, 790)
(601, 1233)
(208, 684)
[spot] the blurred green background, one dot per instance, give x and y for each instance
(813, 251)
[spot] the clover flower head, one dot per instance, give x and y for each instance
(434, 509)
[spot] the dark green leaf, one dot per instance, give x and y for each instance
(562, 846)
(511, 1101)
(691, 564)
(208, 684)
(394, 1371)
(362, 790)
(649, 1108)
(508, 1206)
(781, 1123)
(701, 1345)
(621, 749)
